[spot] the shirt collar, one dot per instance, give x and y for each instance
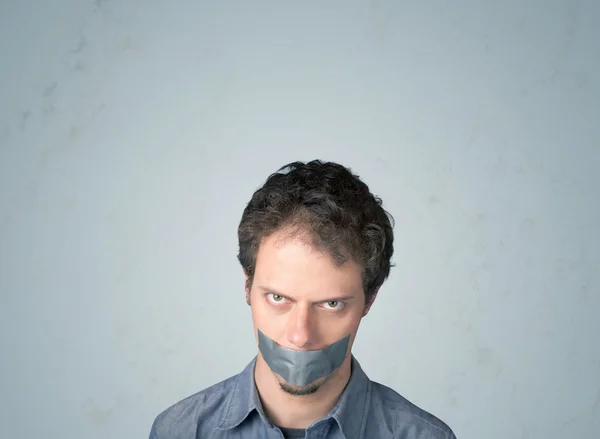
(243, 399)
(350, 411)
(353, 406)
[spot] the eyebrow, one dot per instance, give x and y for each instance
(331, 299)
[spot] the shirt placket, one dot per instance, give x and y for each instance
(322, 430)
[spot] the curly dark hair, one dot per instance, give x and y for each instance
(327, 205)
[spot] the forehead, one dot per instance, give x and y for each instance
(292, 267)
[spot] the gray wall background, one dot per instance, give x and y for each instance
(133, 133)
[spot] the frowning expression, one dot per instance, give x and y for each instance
(301, 299)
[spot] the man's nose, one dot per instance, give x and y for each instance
(300, 330)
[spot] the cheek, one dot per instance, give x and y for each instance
(334, 328)
(350, 325)
(351, 329)
(261, 315)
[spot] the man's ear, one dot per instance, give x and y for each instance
(247, 286)
(370, 301)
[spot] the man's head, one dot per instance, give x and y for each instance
(315, 246)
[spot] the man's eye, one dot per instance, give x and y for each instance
(275, 298)
(333, 305)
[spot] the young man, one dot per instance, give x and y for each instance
(315, 246)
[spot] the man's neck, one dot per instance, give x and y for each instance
(291, 411)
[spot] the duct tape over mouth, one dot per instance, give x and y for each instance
(300, 368)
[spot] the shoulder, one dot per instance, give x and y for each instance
(406, 419)
(183, 419)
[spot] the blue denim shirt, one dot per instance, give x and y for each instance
(232, 409)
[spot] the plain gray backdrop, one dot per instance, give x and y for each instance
(133, 133)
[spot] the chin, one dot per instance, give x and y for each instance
(308, 389)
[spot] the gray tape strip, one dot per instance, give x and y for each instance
(300, 368)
